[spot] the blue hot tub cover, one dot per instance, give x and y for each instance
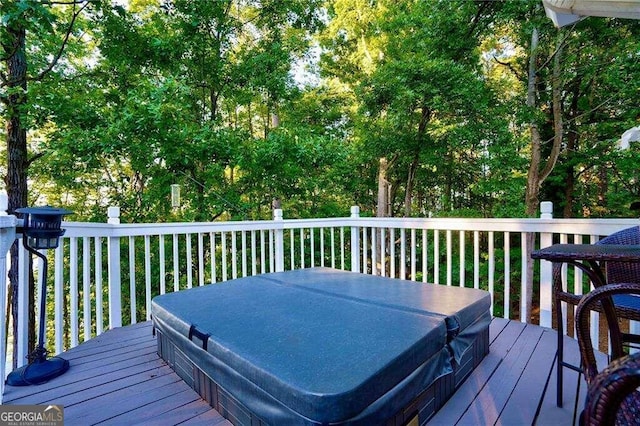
(464, 311)
(298, 347)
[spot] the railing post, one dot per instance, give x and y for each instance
(278, 240)
(546, 285)
(355, 241)
(115, 292)
(22, 326)
(7, 237)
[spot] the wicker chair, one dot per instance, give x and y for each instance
(621, 272)
(612, 397)
(627, 306)
(617, 272)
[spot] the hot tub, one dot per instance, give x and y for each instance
(322, 346)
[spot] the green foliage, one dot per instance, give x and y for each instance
(203, 94)
(121, 102)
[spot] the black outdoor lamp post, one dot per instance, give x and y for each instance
(41, 230)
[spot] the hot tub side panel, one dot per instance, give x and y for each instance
(422, 407)
(464, 311)
(245, 404)
(328, 369)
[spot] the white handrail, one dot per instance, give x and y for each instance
(141, 261)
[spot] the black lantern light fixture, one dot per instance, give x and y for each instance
(41, 231)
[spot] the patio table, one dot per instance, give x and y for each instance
(590, 258)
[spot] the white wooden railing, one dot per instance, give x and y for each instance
(105, 275)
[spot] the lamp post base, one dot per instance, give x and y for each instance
(38, 372)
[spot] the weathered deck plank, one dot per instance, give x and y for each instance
(495, 394)
(521, 408)
(464, 397)
(516, 383)
(117, 378)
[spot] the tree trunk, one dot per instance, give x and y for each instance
(570, 178)
(411, 176)
(15, 55)
(537, 173)
(447, 202)
(17, 162)
(533, 176)
(382, 209)
(383, 188)
(213, 101)
(603, 189)
(569, 190)
(572, 146)
(425, 117)
(249, 117)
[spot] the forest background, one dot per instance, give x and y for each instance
(405, 108)
(461, 108)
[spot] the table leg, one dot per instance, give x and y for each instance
(557, 287)
(560, 352)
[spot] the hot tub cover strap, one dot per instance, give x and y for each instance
(204, 337)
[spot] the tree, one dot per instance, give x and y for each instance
(182, 92)
(566, 77)
(419, 91)
(57, 20)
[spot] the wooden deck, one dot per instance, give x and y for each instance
(117, 378)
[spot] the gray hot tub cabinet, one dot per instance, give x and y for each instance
(322, 346)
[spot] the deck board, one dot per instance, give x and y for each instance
(520, 408)
(171, 409)
(512, 380)
(477, 380)
(117, 378)
(494, 396)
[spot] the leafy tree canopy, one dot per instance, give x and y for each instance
(122, 100)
